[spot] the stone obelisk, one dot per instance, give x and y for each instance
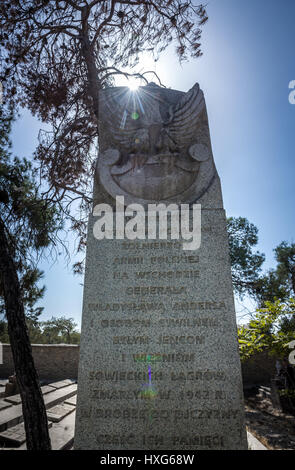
(159, 361)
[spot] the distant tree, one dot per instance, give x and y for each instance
(272, 326)
(60, 330)
(57, 56)
(35, 331)
(18, 191)
(270, 329)
(269, 288)
(29, 278)
(278, 283)
(53, 331)
(245, 263)
(285, 256)
(27, 224)
(288, 325)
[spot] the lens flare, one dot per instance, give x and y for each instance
(134, 115)
(133, 85)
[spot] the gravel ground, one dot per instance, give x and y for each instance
(274, 429)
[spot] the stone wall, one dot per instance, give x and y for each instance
(59, 361)
(53, 361)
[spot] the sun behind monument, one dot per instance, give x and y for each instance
(133, 84)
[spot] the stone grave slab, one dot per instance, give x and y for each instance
(4, 404)
(13, 399)
(59, 395)
(13, 415)
(10, 417)
(61, 434)
(61, 384)
(46, 389)
(16, 435)
(16, 399)
(72, 401)
(58, 412)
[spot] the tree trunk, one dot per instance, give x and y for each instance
(87, 52)
(293, 278)
(34, 412)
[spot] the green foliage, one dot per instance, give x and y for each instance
(4, 337)
(29, 218)
(267, 330)
(285, 256)
(31, 222)
(278, 283)
(56, 57)
(269, 287)
(287, 392)
(245, 264)
(35, 331)
(60, 330)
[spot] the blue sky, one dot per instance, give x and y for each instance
(248, 62)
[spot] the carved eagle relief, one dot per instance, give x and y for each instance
(157, 144)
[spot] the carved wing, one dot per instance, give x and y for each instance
(115, 109)
(184, 117)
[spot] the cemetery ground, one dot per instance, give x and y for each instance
(274, 429)
(60, 402)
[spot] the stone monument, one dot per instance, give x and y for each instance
(159, 362)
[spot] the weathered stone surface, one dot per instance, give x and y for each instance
(4, 404)
(61, 434)
(10, 417)
(15, 436)
(53, 361)
(253, 443)
(13, 415)
(159, 361)
(58, 412)
(60, 395)
(61, 383)
(16, 399)
(155, 149)
(259, 369)
(72, 401)
(46, 389)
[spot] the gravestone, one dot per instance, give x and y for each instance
(159, 363)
